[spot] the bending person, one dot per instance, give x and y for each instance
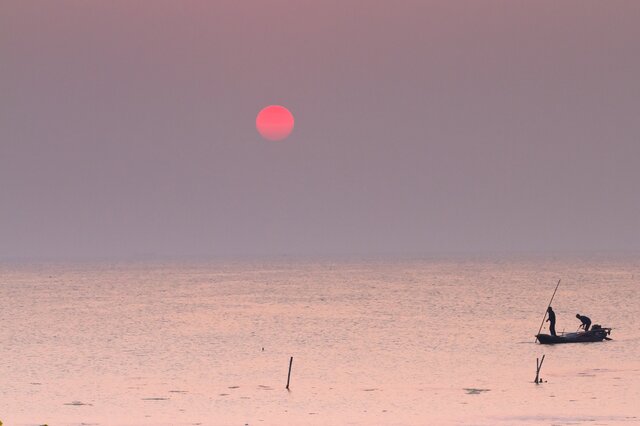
(586, 322)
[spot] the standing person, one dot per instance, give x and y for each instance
(552, 321)
(586, 322)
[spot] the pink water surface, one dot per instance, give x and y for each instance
(382, 342)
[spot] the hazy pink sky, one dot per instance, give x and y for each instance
(128, 128)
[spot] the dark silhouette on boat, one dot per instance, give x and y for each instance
(552, 321)
(586, 322)
(596, 334)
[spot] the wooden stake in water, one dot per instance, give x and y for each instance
(538, 368)
(545, 312)
(289, 375)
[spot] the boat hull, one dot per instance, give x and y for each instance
(597, 335)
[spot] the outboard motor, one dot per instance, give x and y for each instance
(598, 329)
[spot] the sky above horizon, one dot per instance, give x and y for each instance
(128, 128)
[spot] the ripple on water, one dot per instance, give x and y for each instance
(77, 403)
(475, 391)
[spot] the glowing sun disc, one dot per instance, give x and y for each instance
(274, 122)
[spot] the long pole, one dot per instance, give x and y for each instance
(545, 312)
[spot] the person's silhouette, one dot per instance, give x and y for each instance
(586, 322)
(551, 320)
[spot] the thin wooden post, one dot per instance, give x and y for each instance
(289, 375)
(538, 368)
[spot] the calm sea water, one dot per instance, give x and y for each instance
(374, 343)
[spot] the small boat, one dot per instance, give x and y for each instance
(596, 334)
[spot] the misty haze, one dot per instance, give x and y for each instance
(428, 127)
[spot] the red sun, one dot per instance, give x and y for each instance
(274, 122)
